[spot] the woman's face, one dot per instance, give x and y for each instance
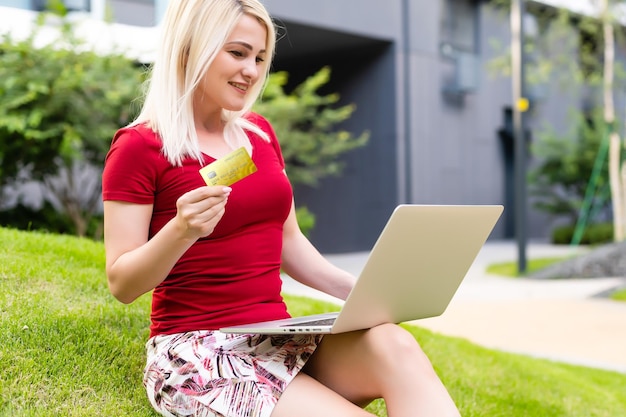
(235, 70)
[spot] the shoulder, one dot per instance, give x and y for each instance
(260, 122)
(269, 134)
(136, 146)
(259, 126)
(137, 137)
(257, 119)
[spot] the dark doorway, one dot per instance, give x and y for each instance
(351, 209)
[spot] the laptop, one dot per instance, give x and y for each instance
(413, 271)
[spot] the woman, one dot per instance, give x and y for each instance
(212, 254)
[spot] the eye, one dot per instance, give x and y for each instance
(259, 59)
(236, 53)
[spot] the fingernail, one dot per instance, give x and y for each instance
(227, 189)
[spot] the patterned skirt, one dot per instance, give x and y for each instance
(213, 374)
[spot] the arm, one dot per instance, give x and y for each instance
(303, 262)
(136, 265)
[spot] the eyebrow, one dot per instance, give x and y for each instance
(245, 45)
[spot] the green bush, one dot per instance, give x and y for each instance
(61, 105)
(308, 126)
(49, 220)
(306, 220)
(44, 219)
(594, 234)
(565, 163)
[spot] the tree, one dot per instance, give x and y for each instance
(599, 75)
(617, 171)
(306, 125)
(61, 106)
(566, 163)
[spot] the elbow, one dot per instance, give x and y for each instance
(124, 299)
(121, 296)
(119, 292)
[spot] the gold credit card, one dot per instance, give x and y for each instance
(229, 169)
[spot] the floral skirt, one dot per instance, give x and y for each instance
(213, 374)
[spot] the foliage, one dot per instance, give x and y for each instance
(75, 351)
(565, 167)
(61, 105)
(305, 123)
(47, 219)
(593, 234)
(565, 51)
(306, 220)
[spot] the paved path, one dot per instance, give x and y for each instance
(566, 320)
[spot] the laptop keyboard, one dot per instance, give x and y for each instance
(322, 322)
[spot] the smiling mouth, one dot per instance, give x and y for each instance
(242, 87)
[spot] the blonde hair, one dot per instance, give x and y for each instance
(194, 31)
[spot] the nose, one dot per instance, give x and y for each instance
(251, 69)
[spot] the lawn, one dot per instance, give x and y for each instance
(510, 269)
(67, 348)
(619, 295)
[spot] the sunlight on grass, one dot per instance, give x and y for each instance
(510, 269)
(75, 351)
(619, 295)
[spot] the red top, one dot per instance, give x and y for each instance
(233, 275)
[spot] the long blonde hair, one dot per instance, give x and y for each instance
(193, 32)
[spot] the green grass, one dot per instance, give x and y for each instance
(619, 295)
(67, 348)
(510, 269)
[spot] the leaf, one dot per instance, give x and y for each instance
(306, 124)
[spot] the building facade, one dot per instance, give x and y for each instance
(439, 121)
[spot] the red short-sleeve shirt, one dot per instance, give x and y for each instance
(232, 276)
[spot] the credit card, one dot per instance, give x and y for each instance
(229, 169)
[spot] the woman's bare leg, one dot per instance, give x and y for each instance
(306, 397)
(383, 362)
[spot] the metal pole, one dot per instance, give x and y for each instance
(520, 105)
(406, 192)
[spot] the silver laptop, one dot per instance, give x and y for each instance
(412, 272)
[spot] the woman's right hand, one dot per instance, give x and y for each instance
(199, 211)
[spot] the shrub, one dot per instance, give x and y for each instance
(596, 233)
(306, 220)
